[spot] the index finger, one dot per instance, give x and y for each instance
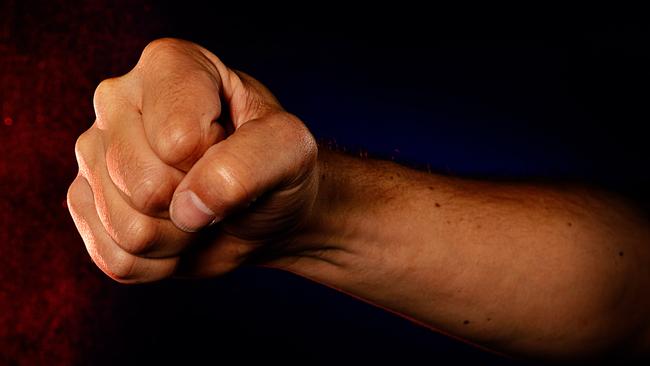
(180, 101)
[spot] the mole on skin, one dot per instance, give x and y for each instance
(437, 204)
(620, 254)
(466, 322)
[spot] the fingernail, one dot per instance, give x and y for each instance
(189, 213)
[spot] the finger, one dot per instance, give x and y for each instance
(133, 231)
(109, 257)
(180, 101)
(272, 152)
(144, 180)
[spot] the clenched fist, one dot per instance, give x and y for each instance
(189, 168)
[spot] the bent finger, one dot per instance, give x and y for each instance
(180, 101)
(109, 257)
(142, 177)
(133, 231)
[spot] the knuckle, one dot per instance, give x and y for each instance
(70, 197)
(117, 264)
(147, 184)
(120, 268)
(83, 150)
(178, 142)
(289, 125)
(152, 194)
(119, 163)
(80, 144)
(105, 97)
(73, 197)
(106, 88)
(166, 52)
(161, 47)
(294, 130)
(140, 236)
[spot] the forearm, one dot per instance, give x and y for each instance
(518, 268)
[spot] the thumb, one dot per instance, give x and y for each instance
(268, 153)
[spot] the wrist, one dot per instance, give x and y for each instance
(327, 223)
(349, 215)
(328, 229)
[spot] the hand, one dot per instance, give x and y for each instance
(181, 143)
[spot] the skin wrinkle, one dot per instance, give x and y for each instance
(491, 215)
(96, 255)
(84, 227)
(231, 179)
(116, 170)
(57, 307)
(177, 142)
(120, 165)
(446, 256)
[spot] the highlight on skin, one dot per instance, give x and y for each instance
(530, 270)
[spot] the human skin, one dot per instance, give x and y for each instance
(192, 169)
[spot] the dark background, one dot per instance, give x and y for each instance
(505, 93)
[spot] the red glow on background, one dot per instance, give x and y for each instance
(52, 55)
